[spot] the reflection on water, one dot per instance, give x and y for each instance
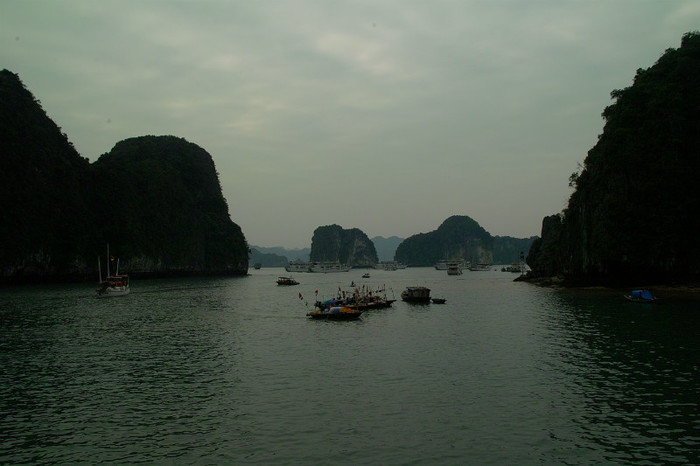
(230, 370)
(634, 369)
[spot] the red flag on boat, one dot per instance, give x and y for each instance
(300, 296)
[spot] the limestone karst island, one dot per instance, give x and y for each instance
(632, 216)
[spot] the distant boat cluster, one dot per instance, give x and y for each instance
(317, 267)
(457, 266)
(390, 265)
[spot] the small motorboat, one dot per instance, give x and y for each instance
(366, 275)
(641, 296)
(286, 281)
(439, 300)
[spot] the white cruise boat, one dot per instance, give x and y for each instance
(328, 267)
(441, 265)
(298, 266)
(389, 265)
(317, 267)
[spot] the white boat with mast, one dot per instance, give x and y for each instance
(112, 285)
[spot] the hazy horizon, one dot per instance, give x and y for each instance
(389, 117)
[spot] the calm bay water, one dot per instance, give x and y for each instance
(216, 371)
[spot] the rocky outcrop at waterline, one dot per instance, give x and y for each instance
(633, 215)
(352, 247)
(156, 199)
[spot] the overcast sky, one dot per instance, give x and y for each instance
(388, 116)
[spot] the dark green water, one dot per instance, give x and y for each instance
(224, 371)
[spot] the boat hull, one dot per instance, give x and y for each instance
(639, 300)
(113, 292)
(328, 267)
(416, 294)
(287, 281)
(335, 313)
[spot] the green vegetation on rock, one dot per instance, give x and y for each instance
(460, 237)
(632, 217)
(156, 200)
(351, 247)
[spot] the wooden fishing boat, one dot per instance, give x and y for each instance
(335, 313)
(416, 294)
(112, 285)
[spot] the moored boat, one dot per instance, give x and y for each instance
(335, 313)
(439, 300)
(112, 285)
(454, 268)
(389, 265)
(416, 294)
(515, 267)
(482, 267)
(316, 267)
(328, 267)
(441, 265)
(641, 296)
(298, 266)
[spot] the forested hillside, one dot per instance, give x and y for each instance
(166, 211)
(45, 225)
(461, 237)
(156, 200)
(351, 247)
(633, 216)
(458, 237)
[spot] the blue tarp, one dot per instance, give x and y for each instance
(330, 303)
(642, 294)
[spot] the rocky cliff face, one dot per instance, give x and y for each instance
(156, 200)
(173, 218)
(44, 220)
(544, 256)
(459, 237)
(351, 247)
(632, 216)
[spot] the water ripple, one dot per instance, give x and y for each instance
(230, 370)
